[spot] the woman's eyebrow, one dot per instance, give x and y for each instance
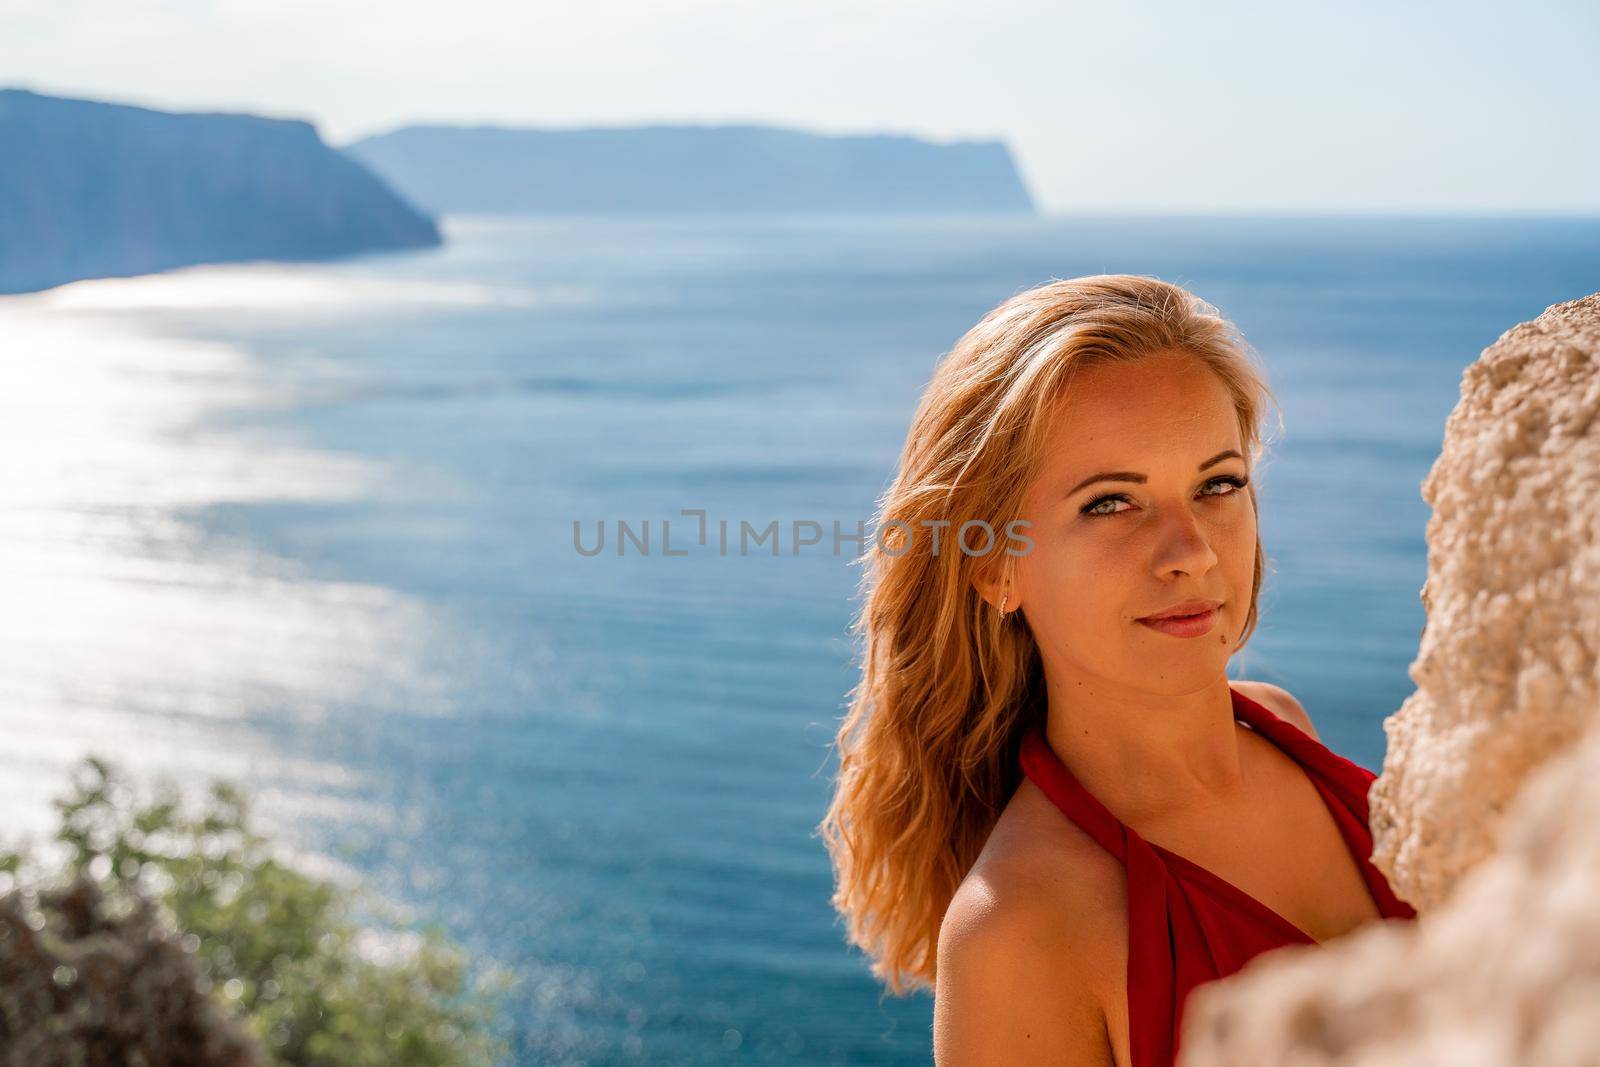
(1134, 476)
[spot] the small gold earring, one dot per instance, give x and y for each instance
(1002, 606)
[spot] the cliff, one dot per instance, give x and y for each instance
(1485, 814)
(672, 169)
(90, 190)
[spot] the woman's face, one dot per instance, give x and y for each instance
(1108, 553)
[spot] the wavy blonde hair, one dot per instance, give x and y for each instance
(928, 749)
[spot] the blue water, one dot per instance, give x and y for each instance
(606, 772)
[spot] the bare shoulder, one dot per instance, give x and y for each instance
(1279, 701)
(1028, 945)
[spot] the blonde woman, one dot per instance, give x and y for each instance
(1053, 806)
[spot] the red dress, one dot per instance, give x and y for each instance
(1187, 926)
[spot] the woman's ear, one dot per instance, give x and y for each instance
(997, 588)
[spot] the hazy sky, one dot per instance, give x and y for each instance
(1189, 106)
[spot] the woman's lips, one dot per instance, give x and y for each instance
(1184, 625)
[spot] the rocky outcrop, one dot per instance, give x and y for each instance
(683, 169)
(93, 190)
(1506, 670)
(1486, 815)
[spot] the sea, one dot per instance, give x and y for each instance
(311, 528)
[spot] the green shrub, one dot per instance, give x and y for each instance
(281, 952)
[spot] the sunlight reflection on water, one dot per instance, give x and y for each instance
(126, 628)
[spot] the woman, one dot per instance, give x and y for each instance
(1052, 805)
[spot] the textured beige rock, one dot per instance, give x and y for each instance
(1487, 813)
(1506, 673)
(1506, 973)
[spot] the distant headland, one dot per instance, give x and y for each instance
(686, 169)
(91, 189)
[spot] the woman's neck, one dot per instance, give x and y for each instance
(1147, 756)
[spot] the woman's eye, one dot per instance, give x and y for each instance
(1092, 510)
(1234, 481)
